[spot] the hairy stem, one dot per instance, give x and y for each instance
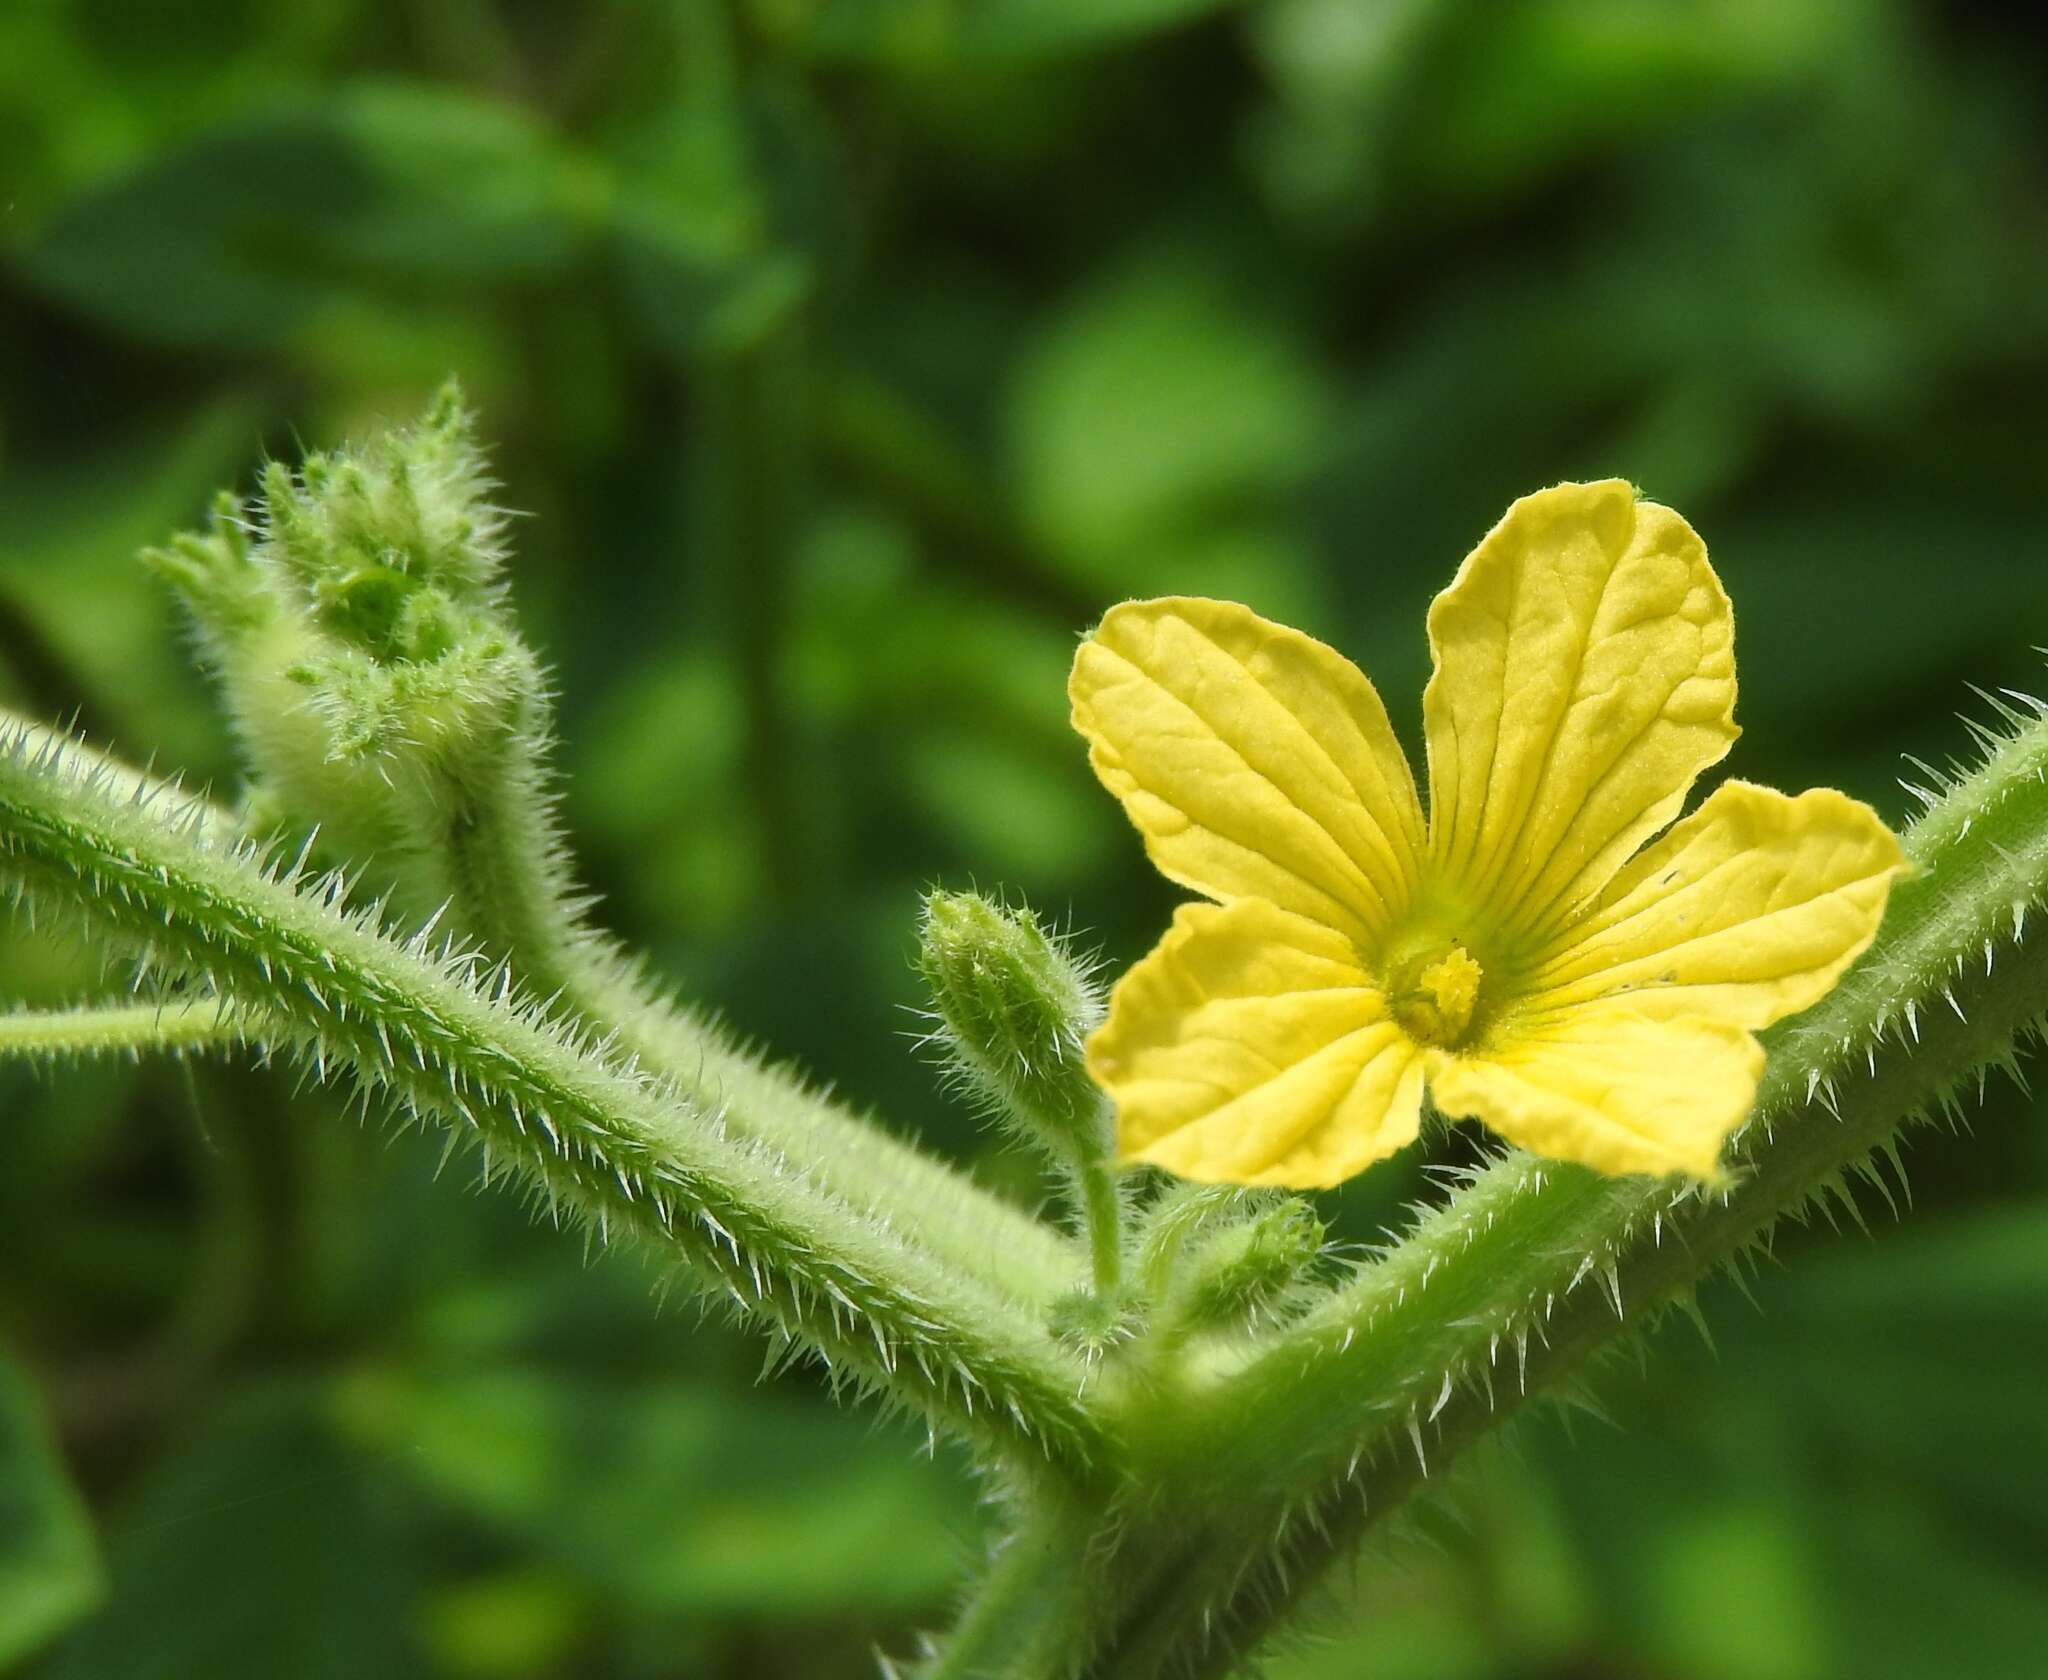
(445, 1033)
(1034, 1604)
(131, 1029)
(1102, 1216)
(507, 887)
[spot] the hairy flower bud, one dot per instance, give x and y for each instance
(355, 617)
(1234, 1273)
(1013, 1004)
(1218, 1257)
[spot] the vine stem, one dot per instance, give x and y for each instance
(447, 1035)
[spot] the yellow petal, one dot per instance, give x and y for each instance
(1256, 762)
(1746, 912)
(1585, 674)
(1250, 1048)
(1611, 1089)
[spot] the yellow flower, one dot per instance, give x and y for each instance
(1533, 952)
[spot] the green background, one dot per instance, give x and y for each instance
(851, 356)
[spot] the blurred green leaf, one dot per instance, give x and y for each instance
(1874, 571)
(82, 630)
(724, 207)
(87, 631)
(1911, 1354)
(662, 779)
(1157, 403)
(261, 1546)
(511, 1624)
(699, 266)
(1529, 86)
(1434, 110)
(1021, 817)
(680, 1499)
(49, 1564)
(936, 31)
(1907, 1596)
(960, 702)
(256, 229)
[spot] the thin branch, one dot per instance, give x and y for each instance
(175, 1026)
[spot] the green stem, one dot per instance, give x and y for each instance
(1102, 1216)
(1031, 1603)
(874, 435)
(603, 1140)
(509, 888)
(121, 1029)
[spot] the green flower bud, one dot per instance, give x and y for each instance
(1013, 1005)
(213, 572)
(355, 616)
(1234, 1271)
(1094, 1322)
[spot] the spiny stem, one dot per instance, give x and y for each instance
(1033, 1604)
(964, 1226)
(598, 1137)
(356, 616)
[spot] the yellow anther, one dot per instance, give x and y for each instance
(1434, 999)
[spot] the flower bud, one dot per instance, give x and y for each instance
(355, 618)
(1013, 1005)
(1231, 1273)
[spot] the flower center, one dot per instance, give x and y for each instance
(1433, 994)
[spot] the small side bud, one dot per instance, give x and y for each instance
(1235, 1270)
(214, 574)
(1013, 1005)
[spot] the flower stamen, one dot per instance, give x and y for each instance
(1434, 995)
